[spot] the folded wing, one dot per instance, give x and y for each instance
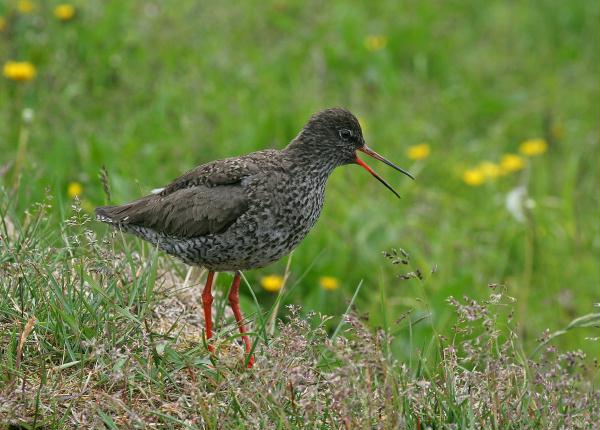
(205, 200)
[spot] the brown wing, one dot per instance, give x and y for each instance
(185, 213)
(207, 199)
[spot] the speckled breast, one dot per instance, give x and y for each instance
(283, 210)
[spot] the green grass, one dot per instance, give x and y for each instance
(96, 337)
(150, 90)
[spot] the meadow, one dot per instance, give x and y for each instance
(493, 107)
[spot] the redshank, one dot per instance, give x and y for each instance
(245, 212)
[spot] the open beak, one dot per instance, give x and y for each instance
(376, 156)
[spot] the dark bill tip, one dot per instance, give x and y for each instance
(376, 156)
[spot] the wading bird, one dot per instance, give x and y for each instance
(245, 212)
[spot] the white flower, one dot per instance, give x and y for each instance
(27, 115)
(518, 203)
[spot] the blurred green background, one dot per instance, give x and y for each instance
(150, 89)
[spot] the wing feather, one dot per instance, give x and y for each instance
(185, 213)
(205, 200)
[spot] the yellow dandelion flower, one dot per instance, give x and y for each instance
(511, 163)
(64, 12)
(25, 6)
(473, 177)
(19, 70)
(2, 23)
(74, 189)
(271, 283)
(329, 283)
(489, 169)
(533, 147)
(375, 42)
(418, 152)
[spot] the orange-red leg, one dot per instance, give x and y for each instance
(207, 300)
(234, 302)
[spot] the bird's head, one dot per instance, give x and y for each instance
(335, 135)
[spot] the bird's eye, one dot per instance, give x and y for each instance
(346, 134)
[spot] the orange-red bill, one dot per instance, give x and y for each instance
(376, 156)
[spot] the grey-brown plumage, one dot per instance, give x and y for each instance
(246, 212)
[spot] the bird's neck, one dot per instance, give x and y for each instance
(311, 158)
